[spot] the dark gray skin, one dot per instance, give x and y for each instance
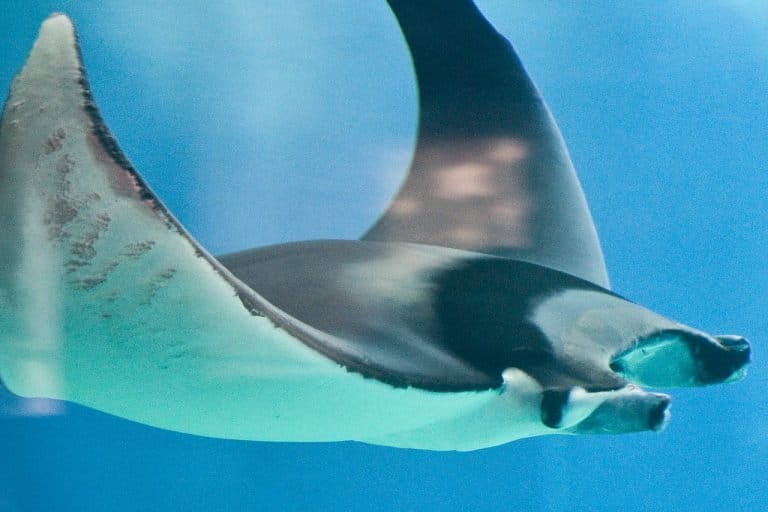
(448, 320)
(491, 172)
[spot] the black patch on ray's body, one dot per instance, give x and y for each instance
(483, 308)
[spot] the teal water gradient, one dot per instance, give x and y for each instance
(259, 122)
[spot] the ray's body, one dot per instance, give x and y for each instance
(474, 312)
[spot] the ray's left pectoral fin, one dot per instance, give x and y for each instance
(99, 284)
(72, 208)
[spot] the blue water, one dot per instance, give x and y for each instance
(263, 122)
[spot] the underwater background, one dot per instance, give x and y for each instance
(259, 122)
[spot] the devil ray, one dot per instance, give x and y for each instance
(475, 311)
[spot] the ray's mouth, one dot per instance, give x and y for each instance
(679, 358)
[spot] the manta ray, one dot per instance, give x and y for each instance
(475, 311)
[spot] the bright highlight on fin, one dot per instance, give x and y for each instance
(475, 311)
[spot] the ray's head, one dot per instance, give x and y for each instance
(606, 348)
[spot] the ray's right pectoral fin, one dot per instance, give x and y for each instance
(490, 172)
(99, 284)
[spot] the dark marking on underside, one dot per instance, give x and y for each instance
(157, 282)
(61, 209)
(553, 402)
(138, 249)
(91, 281)
(83, 249)
(55, 141)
